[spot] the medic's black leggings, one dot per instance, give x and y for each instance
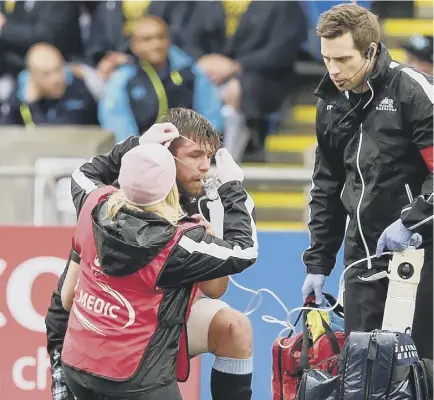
(170, 392)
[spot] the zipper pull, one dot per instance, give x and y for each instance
(373, 347)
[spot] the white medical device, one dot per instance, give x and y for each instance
(404, 277)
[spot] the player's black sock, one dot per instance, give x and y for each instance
(231, 379)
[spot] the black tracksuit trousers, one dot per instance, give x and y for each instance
(364, 305)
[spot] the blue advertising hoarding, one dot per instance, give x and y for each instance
(280, 269)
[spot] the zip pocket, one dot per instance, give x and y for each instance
(372, 355)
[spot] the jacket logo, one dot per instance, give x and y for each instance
(329, 107)
(97, 305)
(102, 307)
(386, 105)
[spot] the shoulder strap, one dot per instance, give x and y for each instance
(91, 201)
(94, 197)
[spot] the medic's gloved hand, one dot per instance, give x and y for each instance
(160, 133)
(396, 237)
(314, 283)
(227, 169)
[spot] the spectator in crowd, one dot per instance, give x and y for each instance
(25, 23)
(49, 92)
(248, 48)
(112, 25)
(419, 52)
(160, 76)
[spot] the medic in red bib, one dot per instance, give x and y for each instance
(138, 260)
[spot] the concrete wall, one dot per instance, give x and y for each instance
(20, 148)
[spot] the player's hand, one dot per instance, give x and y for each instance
(202, 221)
(163, 134)
(227, 169)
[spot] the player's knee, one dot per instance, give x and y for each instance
(240, 332)
(231, 334)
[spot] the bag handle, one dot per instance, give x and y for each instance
(425, 375)
(418, 374)
(280, 354)
(416, 383)
(331, 336)
(304, 358)
(307, 303)
(295, 323)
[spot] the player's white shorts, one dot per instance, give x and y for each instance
(202, 312)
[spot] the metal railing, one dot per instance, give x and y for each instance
(23, 181)
(39, 184)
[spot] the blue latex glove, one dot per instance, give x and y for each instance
(396, 237)
(314, 283)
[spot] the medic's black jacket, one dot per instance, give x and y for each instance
(365, 158)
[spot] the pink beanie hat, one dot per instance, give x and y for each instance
(147, 174)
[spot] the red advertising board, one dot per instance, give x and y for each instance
(31, 260)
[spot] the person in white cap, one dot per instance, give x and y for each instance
(140, 262)
(213, 326)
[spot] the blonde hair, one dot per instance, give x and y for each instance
(169, 208)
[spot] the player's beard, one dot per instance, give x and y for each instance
(193, 190)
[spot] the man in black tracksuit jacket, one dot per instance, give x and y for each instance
(374, 156)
